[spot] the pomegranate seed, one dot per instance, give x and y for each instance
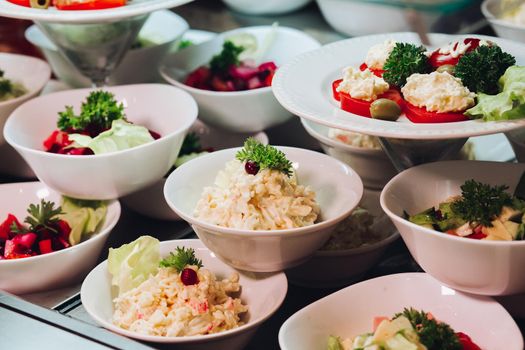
(251, 168)
(189, 277)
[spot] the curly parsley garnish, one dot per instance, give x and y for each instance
(264, 156)
(405, 60)
(228, 56)
(41, 216)
(98, 111)
(182, 258)
(480, 70)
(480, 202)
(433, 334)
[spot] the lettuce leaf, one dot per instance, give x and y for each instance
(133, 263)
(122, 135)
(84, 217)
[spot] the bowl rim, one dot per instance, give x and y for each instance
(192, 105)
(491, 17)
(280, 277)
(292, 232)
(220, 36)
(102, 234)
(336, 144)
(439, 235)
(40, 85)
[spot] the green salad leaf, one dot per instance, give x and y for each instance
(334, 343)
(122, 135)
(84, 217)
(133, 263)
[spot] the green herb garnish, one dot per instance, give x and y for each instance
(1, 73)
(98, 111)
(433, 334)
(405, 60)
(182, 258)
(480, 69)
(480, 202)
(191, 144)
(41, 216)
(228, 56)
(6, 87)
(184, 44)
(265, 156)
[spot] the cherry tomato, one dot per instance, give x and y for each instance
(20, 2)
(377, 72)
(421, 115)
(467, 343)
(88, 4)
(438, 59)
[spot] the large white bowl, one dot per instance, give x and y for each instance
(150, 201)
(338, 191)
(162, 108)
(517, 141)
(474, 266)
(262, 293)
(269, 7)
(503, 28)
(164, 27)
(53, 270)
(31, 72)
(238, 111)
(350, 312)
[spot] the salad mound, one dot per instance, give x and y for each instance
(50, 228)
(10, 89)
(101, 127)
(408, 330)
(481, 212)
(466, 79)
(171, 297)
(258, 191)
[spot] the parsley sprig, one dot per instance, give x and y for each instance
(229, 55)
(98, 111)
(182, 258)
(265, 156)
(480, 202)
(41, 216)
(405, 60)
(433, 334)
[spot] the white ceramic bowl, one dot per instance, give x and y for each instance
(473, 266)
(503, 28)
(355, 18)
(263, 293)
(338, 268)
(150, 201)
(517, 141)
(271, 7)
(350, 312)
(164, 27)
(373, 165)
(238, 111)
(53, 270)
(338, 191)
(31, 72)
(162, 108)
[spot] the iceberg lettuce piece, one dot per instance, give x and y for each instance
(122, 135)
(133, 263)
(84, 217)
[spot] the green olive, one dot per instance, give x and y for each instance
(40, 4)
(385, 109)
(446, 68)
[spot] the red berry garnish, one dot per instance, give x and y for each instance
(251, 168)
(189, 277)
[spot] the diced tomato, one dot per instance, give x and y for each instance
(421, 115)
(269, 78)
(9, 248)
(377, 72)
(154, 134)
(243, 72)
(199, 78)
(64, 229)
(56, 141)
(221, 85)
(25, 240)
(452, 232)
(438, 59)
(45, 246)
(88, 4)
(467, 343)
(5, 227)
(377, 321)
(20, 2)
(477, 235)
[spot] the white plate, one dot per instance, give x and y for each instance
(198, 36)
(350, 312)
(133, 8)
(303, 86)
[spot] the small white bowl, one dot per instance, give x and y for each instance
(517, 141)
(238, 111)
(271, 7)
(338, 191)
(161, 108)
(164, 27)
(150, 201)
(350, 312)
(31, 72)
(53, 270)
(373, 165)
(262, 293)
(502, 27)
(473, 266)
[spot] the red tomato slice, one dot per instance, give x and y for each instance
(377, 72)
(335, 93)
(467, 343)
(421, 115)
(438, 59)
(20, 2)
(88, 4)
